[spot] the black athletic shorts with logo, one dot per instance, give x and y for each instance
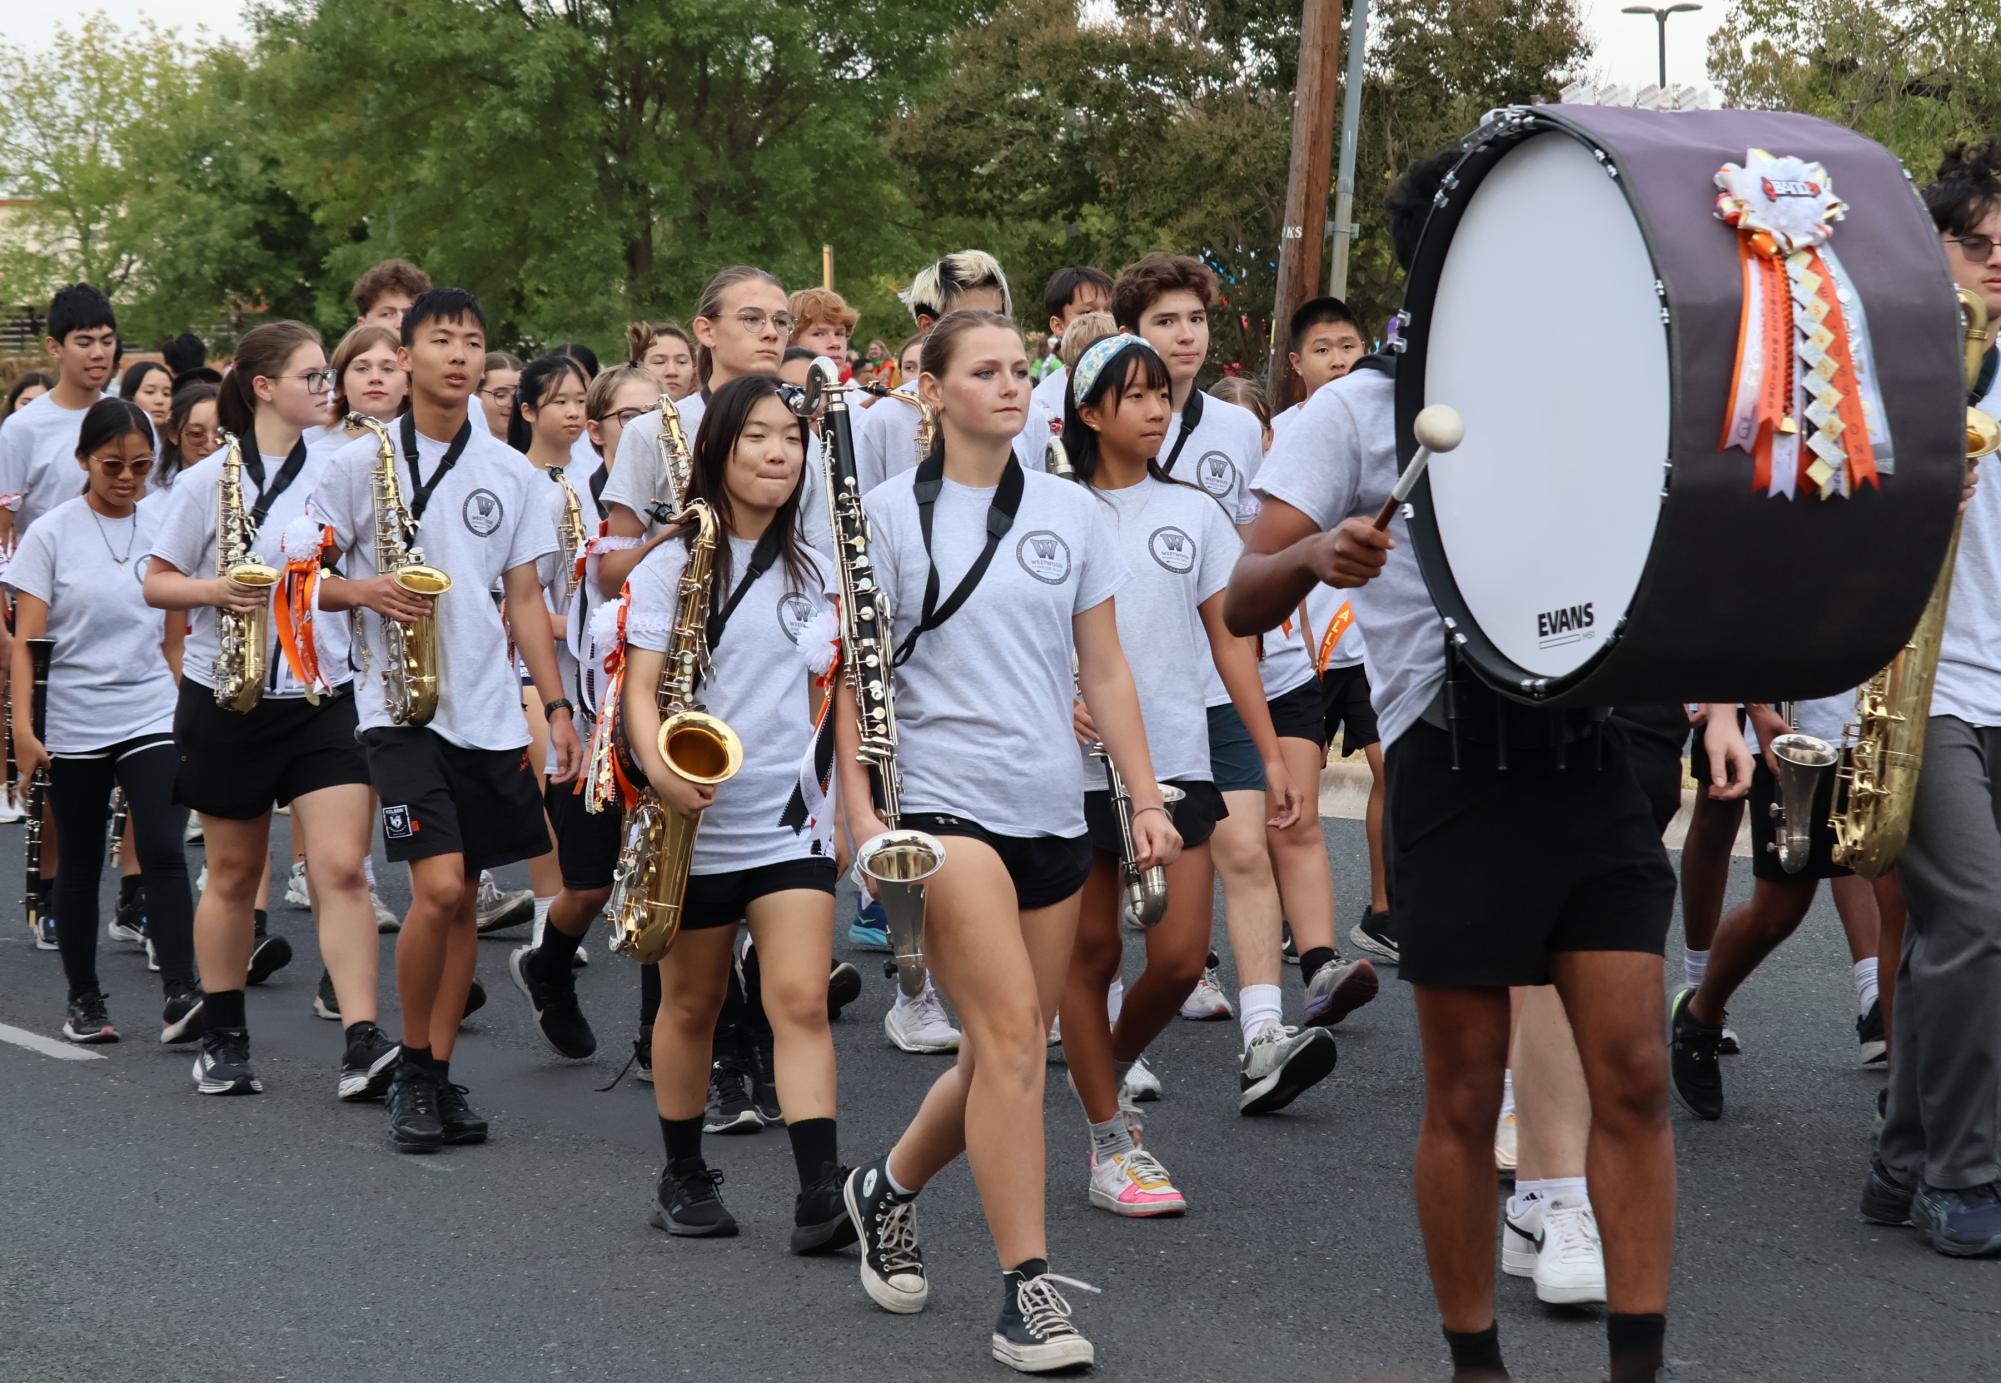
(1194, 816)
(587, 842)
(1045, 869)
(1494, 871)
(237, 766)
(722, 900)
(439, 798)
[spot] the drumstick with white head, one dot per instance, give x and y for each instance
(1438, 428)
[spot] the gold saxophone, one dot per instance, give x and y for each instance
(927, 422)
(411, 665)
(675, 462)
(242, 637)
(651, 876)
(1874, 792)
(570, 537)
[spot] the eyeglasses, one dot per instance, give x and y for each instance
(753, 321)
(115, 466)
(624, 416)
(316, 380)
(1976, 248)
(503, 394)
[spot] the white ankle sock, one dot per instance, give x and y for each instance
(1255, 1004)
(1569, 1190)
(1115, 1000)
(368, 869)
(1694, 965)
(1866, 987)
(1507, 1092)
(542, 910)
(890, 1177)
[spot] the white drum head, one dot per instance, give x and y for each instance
(1546, 335)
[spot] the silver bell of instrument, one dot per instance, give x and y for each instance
(1144, 895)
(899, 862)
(1804, 763)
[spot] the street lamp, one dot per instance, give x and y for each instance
(1660, 14)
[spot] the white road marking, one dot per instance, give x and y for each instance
(47, 1046)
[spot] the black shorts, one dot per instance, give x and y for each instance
(441, 799)
(1345, 709)
(1195, 816)
(238, 766)
(1494, 870)
(1233, 757)
(1655, 735)
(1045, 869)
(1765, 828)
(722, 900)
(587, 842)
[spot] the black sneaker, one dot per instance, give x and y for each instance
(820, 1222)
(272, 954)
(1035, 1333)
(1962, 1223)
(181, 1019)
(764, 1080)
(475, 999)
(223, 1065)
(558, 1016)
(844, 986)
(368, 1065)
(1885, 1199)
(88, 1022)
(730, 1109)
(687, 1204)
(886, 1226)
(128, 919)
(326, 1004)
(1288, 948)
(642, 1052)
(463, 1123)
(1376, 933)
(414, 1123)
(1692, 1054)
(1869, 1033)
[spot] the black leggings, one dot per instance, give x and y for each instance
(80, 799)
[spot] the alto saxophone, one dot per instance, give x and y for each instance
(570, 537)
(897, 861)
(411, 661)
(927, 422)
(677, 466)
(242, 637)
(651, 876)
(1874, 793)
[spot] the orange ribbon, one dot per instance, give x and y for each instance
(294, 610)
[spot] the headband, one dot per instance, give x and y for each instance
(1096, 356)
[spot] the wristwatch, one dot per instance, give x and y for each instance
(561, 703)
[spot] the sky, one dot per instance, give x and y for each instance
(1623, 45)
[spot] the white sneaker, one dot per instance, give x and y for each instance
(192, 835)
(387, 923)
(921, 1025)
(152, 958)
(1281, 1064)
(496, 909)
(296, 892)
(1134, 1184)
(1570, 1267)
(1205, 1003)
(1505, 1145)
(201, 881)
(10, 807)
(1141, 1082)
(1521, 1235)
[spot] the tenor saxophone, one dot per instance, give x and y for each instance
(1876, 789)
(411, 662)
(242, 637)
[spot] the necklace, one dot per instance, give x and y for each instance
(129, 542)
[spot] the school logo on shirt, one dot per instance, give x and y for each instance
(1215, 473)
(1173, 549)
(1044, 556)
(483, 513)
(795, 612)
(397, 823)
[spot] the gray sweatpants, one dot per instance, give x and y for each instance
(1943, 1124)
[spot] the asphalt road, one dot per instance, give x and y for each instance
(158, 1236)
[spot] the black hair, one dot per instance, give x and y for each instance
(107, 421)
(540, 378)
(1064, 283)
(722, 423)
(136, 376)
(1136, 362)
(441, 304)
(1410, 199)
(1966, 189)
(1320, 312)
(793, 353)
(185, 400)
(184, 353)
(79, 307)
(200, 374)
(582, 354)
(22, 386)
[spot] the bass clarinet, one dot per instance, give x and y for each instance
(38, 785)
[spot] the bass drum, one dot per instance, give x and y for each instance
(1577, 299)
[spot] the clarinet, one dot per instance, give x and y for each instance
(38, 785)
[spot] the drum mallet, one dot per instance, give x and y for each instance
(1438, 428)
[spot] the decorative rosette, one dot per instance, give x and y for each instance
(1803, 397)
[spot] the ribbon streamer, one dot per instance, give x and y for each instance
(304, 546)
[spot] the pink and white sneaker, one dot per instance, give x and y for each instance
(1134, 1184)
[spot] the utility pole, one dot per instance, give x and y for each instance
(1351, 128)
(1305, 223)
(827, 267)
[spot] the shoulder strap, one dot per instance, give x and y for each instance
(1000, 518)
(1191, 417)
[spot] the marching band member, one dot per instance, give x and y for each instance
(190, 431)
(456, 787)
(109, 712)
(234, 765)
(38, 445)
(498, 383)
(996, 577)
(667, 352)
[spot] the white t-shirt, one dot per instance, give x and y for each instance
(1341, 462)
(38, 468)
(1969, 665)
(186, 540)
(1323, 603)
(983, 704)
(1825, 718)
(1177, 547)
(758, 685)
(108, 678)
(638, 476)
(476, 413)
(486, 517)
(1045, 418)
(886, 438)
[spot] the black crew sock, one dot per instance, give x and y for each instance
(416, 1058)
(559, 950)
(1310, 961)
(441, 1068)
(263, 924)
(682, 1138)
(814, 1148)
(1011, 1278)
(223, 1009)
(128, 887)
(1476, 1355)
(1636, 1346)
(353, 1030)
